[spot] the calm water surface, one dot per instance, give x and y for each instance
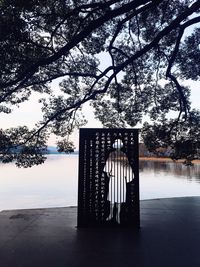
(54, 184)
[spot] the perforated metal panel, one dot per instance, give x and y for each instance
(108, 178)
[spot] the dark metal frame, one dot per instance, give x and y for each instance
(95, 150)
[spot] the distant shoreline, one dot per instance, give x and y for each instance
(196, 161)
(158, 159)
(58, 153)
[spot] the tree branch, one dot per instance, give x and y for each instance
(172, 60)
(78, 38)
(174, 24)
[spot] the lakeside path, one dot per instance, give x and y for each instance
(169, 236)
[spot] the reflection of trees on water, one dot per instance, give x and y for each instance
(191, 173)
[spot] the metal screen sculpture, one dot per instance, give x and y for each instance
(108, 178)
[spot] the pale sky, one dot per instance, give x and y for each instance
(29, 113)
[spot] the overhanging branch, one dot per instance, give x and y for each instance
(110, 14)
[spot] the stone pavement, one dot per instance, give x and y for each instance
(169, 237)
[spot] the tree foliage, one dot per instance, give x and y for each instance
(148, 47)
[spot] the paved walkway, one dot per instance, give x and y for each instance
(169, 237)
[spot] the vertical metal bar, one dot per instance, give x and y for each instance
(111, 183)
(117, 168)
(126, 172)
(113, 178)
(108, 169)
(110, 180)
(123, 176)
(120, 164)
(129, 167)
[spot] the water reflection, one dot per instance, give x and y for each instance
(178, 170)
(168, 179)
(55, 183)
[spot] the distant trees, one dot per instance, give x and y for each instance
(147, 55)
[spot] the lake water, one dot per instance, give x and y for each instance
(55, 183)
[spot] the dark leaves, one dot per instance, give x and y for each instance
(65, 146)
(65, 42)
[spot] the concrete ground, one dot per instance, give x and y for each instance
(169, 236)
